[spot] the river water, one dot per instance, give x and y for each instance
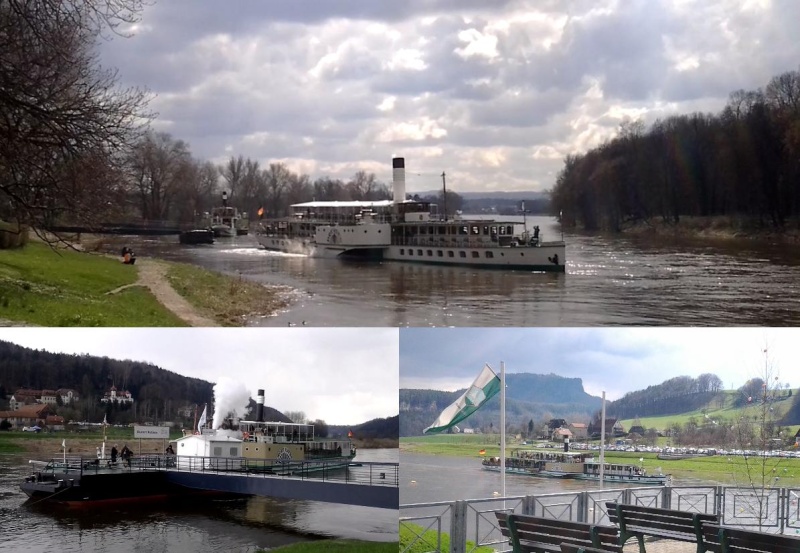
(240, 525)
(609, 281)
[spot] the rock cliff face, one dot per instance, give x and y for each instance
(529, 397)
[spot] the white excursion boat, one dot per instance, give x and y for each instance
(578, 466)
(407, 230)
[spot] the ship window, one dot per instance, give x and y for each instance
(442, 229)
(450, 253)
(476, 229)
(402, 251)
(489, 254)
(463, 230)
(462, 254)
(485, 231)
(509, 230)
(502, 230)
(476, 254)
(218, 451)
(410, 252)
(430, 253)
(419, 252)
(439, 253)
(234, 452)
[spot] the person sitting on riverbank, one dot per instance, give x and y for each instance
(128, 257)
(114, 453)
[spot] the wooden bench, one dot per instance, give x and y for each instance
(569, 548)
(635, 521)
(721, 539)
(546, 535)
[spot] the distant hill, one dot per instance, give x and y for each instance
(376, 428)
(528, 397)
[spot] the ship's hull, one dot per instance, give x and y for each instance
(70, 489)
(549, 257)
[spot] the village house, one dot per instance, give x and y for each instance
(29, 415)
(122, 397)
(25, 396)
(580, 430)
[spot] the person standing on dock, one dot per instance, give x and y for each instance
(114, 454)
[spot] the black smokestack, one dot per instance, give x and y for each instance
(260, 407)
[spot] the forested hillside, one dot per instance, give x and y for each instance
(158, 392)
(376, 428)
(676, 395)
(742, 163)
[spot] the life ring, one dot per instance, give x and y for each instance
(246, 436)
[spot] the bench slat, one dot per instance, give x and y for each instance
(734, 540)
(636, 521)
(540, 534)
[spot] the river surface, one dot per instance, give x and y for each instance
(240, 525)
(608, 281)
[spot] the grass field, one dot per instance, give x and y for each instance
(422, 540)
(229, 301)
(44, 287)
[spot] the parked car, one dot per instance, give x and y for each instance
(31, 428)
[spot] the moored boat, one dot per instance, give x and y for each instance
(574, 465)
(409, 231)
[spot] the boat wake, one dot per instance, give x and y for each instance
(260, 252)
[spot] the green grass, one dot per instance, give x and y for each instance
(427, 542)
(229, 301)
(715, 410)
(339, 546)
(66, 288)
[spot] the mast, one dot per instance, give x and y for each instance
(503, 426)
(602, 439)
(444, 196)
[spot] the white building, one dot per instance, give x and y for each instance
(216, 451)
(117, 396)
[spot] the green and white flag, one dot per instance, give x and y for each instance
(485, 386)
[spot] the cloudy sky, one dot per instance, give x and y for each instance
(614, 360)
(343, 376)
(495, 93)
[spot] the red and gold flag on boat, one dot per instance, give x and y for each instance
(260, 211)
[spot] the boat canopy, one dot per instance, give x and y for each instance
(337, 204)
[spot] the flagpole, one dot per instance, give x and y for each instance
(602, 439)
(503, 426)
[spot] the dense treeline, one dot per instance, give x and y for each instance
(743, 163)
(158, 393)
(676, 395)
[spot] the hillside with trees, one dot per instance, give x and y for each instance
(676, 395)
(742, 163)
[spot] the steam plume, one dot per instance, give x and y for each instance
(229, 396)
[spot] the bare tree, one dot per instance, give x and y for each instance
(233, 173)
(159, 166)
(64, 122)
(756, 432)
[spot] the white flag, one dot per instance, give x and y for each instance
(63, 443)
(485, 386)
(202, 422)
(105, 421)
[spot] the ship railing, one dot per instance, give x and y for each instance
(767, 510)
(341, 470)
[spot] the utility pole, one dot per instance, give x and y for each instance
(444, 196)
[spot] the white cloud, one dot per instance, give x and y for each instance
(518, 75)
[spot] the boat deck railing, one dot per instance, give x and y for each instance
(327, 470)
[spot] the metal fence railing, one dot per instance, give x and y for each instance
(472, 523)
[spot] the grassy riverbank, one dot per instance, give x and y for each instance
(735, 469)
(229, 301)
(716, 228)
(43, 287)
(339, 546)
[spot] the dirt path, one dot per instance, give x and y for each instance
(153, 275)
